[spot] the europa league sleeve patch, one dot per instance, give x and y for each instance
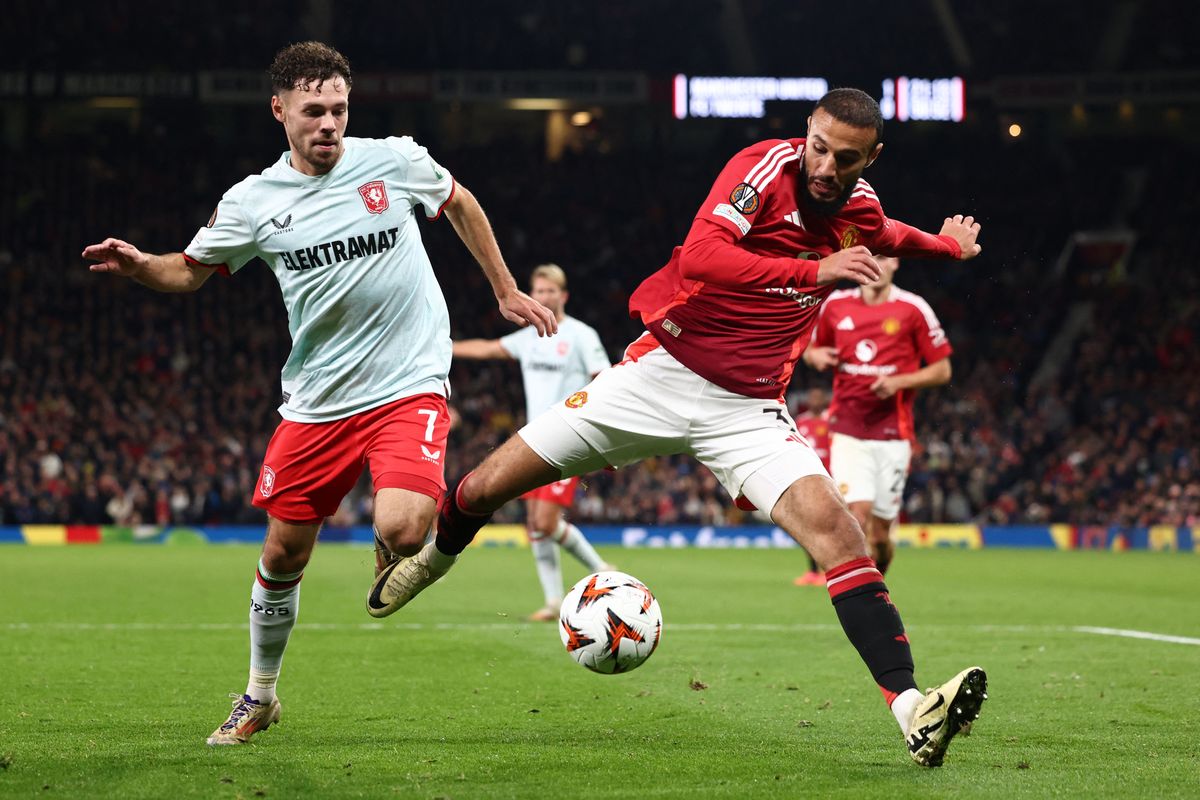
(744, 198)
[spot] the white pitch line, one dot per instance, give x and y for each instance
(1154, 637)
(517, 627)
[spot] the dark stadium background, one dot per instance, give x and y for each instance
(1075, 395)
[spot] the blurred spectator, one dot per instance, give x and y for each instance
(121, 406)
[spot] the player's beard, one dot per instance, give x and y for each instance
(323, 157)
(825, 207)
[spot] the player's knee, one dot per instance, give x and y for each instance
(285, 557)
(848, 528)
(845, 538)
(404, 537)
(546, 521)
(861, 512)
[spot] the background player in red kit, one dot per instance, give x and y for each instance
(813, 425)
(726, 320)
(876, 338)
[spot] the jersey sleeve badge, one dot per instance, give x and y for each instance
(744, 198)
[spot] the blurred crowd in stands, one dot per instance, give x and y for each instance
(120, 405)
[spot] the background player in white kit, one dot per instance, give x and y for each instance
(551, 370)
(875, 338)
(365, 383)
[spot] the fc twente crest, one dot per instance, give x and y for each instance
(374, 196)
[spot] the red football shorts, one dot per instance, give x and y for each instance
(310, 466)
(560, 493)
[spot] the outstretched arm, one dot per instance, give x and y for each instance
(955, 240)
(709, 254)
(472, 226)
(935, 374)
(166, 273)
(479, 349)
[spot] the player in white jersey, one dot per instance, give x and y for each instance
(365, 383)
(552, 369)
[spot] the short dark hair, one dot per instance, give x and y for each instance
(297, 64)
(853, 107)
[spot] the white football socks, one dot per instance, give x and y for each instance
(905, 706)
(549, 567)
(274, 603)
(573, 541)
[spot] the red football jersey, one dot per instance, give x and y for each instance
(889, 338)
(737, 301)
(815, 430)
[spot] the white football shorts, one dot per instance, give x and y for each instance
(655, 406)
(871, 470)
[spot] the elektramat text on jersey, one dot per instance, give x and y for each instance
(329, 253)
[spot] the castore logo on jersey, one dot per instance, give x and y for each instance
(282, 226)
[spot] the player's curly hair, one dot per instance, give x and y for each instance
(853, 107)
(298, 64)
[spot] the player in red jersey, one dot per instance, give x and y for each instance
(726, 320)
(875, 338)
(813, 425)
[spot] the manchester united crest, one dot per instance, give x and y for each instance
(374, 196)
(576, 400)
(891, 326)
(851, 237)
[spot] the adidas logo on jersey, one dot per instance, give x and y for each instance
(846, 324)
(794, 218)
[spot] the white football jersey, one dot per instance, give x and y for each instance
(553, 367)
(368, 320)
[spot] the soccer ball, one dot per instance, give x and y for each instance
(610, 622)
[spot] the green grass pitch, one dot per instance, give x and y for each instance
(115, 663)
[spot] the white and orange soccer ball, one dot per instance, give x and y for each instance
(610, 622)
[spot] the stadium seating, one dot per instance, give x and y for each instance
(119, 404)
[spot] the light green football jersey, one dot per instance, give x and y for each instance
(368, 320)
(552, 367)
